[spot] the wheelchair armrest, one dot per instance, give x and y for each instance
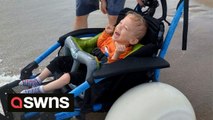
(79, 56)
(131, 64)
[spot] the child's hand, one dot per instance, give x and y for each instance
(118, 50)
(109, 29)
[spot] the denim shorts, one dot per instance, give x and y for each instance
(84, 7)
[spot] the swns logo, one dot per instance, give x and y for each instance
(40, 102)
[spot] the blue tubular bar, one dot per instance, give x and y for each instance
(171, 30)
(97, 107)
(81, 88)
(30, 115)
(65, 115)
(77, 91)
(47, 52)
(169, 35)
(98, 80)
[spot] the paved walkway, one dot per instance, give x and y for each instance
(28, 28)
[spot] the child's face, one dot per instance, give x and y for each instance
(125, 31)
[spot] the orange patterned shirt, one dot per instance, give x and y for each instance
(107, 46)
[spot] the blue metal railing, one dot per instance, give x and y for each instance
(169, 36)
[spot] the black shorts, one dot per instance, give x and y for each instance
(63, 64)
(84, 7)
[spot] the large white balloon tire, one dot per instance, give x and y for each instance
(152, 101)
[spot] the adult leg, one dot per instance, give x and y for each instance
(112, 19)
(83, 9)
(106, 8)
(113, 9)
(81, 22)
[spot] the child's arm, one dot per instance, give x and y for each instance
(118, 51)
(109, 29)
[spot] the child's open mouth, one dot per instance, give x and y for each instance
(116, 34)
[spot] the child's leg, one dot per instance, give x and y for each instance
(60, 63)
(59, 83)
(36, 81)
(45, 73)
(38, 89)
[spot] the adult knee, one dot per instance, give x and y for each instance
(81, 22)
(112, 19)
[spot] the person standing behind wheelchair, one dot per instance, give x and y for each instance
(85, 7)
(141, 2)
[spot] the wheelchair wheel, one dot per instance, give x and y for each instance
(152, 101)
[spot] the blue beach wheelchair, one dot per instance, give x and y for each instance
(109, 87)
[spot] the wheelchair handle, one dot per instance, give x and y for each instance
(79, 56)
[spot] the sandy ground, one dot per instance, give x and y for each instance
(208, 3)
(28, 28)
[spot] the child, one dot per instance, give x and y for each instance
(116, 42)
